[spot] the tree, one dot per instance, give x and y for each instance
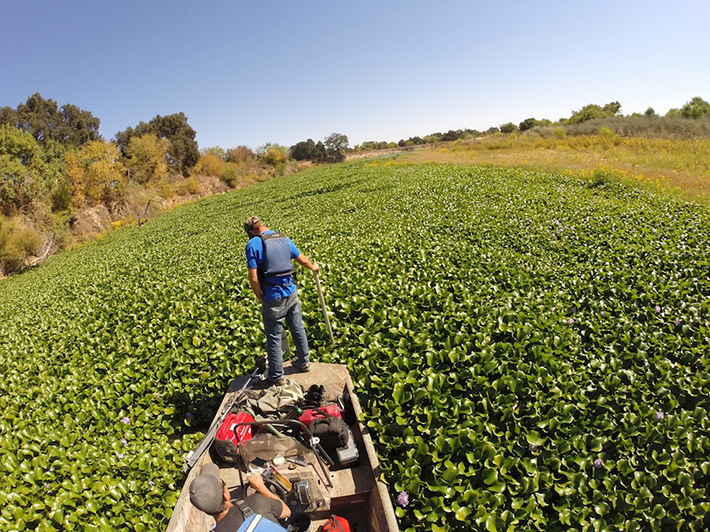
(335, 144)
(98, 172)
(528, 123)
(612, 108)
(210, 164)
(695, 108)
(508, 128)
(304, 150)
(45, 121)
(239, 154)
(21, 166)
(146, 158)
(593, 111)
(182, 153)
(452, 135)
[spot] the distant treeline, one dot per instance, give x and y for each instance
(54, 164)
(689, 121)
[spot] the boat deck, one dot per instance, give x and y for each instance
(357, 494)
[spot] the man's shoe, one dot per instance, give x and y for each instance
(302, 369)
(268, 383)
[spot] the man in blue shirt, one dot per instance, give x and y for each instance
(269, 256)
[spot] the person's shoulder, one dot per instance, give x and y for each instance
(254, 242)
(230, 522)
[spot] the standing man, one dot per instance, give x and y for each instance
(269, 256)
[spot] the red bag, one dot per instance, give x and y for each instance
(311, 413)
(336, 524)
(225, 441)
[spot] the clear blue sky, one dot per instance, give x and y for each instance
(284, 71)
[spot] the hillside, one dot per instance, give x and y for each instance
(530, 348)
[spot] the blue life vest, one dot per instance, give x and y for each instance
(277, 256)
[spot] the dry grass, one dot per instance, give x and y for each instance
(678, 166)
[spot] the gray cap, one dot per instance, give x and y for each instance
(251, 222)
(206, 490)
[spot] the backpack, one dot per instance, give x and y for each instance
(331, 430)
(336, 524)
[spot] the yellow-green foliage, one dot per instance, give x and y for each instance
(231, 175)
(96, 173)
(275, 157)
(606, 133)
(146, 158)
(16, 243)
(559, 133)
(673, 154)
(210, 164)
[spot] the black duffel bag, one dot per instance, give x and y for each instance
(332, 432)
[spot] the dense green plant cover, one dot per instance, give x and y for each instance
(531, 350)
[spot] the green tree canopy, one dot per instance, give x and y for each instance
(305, 151)
(46, 121)
(695, 108)
(182, 154)
(28, 170)
(592, 111)
(508, 128)
(335, 144)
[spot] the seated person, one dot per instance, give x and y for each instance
(209, 493)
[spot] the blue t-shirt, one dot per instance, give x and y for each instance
(277, 287)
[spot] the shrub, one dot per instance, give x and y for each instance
(239, 154)
(193, 185)
(230, 175)
(559, 133)
(276, 158)
(606, 133)
(16, 244)
(62, 196)
(146, 158)
(210, 164)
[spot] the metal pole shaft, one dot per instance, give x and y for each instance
(325, 309)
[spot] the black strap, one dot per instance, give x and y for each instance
(334, 521)
(244, 508)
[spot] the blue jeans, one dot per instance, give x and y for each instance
(273, 313)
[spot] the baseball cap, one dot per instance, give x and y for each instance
(206, 490)
(251, 222)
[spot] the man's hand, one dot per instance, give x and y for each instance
(303, 261)
(255, 284)
(256, 481)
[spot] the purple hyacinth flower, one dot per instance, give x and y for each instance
(151, 483)
(403, 498)
(190, 416)
(126, 420)
(658, 309)
(598, 463)
(660, 415)
(533, 447)
(124, 442)
(570, 321)
(121, 456)
(677, 322)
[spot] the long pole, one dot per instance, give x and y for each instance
(194, 456)
(325, 309)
